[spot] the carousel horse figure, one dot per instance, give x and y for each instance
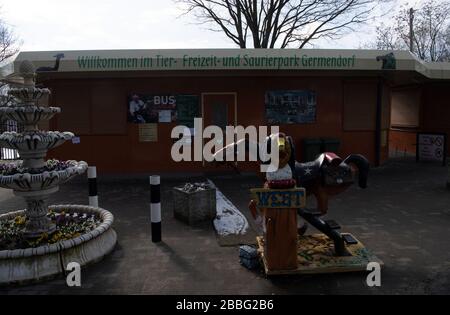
(326, 176)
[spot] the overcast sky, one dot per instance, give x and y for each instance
(122, 24)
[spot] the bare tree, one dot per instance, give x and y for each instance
(281, 23)
(9, 47)
(430, 36)
(8, 42)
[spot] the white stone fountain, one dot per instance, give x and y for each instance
(35, 183)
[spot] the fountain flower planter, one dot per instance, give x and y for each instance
(35, 180)
(44, 262)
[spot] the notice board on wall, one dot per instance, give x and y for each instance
(148, 132)
(291, 107)
(431, 147)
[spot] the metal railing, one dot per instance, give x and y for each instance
(6, 153)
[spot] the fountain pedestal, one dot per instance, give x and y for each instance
(37, 210)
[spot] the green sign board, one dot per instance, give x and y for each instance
(187, 110)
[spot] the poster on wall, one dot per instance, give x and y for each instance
(143, 109)
(431, 147)
(291, 107)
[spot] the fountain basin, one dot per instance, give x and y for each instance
(28, 95)
(34, 141)
(26, 182)
(29, 115)
(41, 263)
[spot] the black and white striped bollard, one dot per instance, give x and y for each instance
(155, 207)
(448, 175)
(92, 178)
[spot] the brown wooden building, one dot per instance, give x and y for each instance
(371, 101)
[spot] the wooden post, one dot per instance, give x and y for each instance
(279, 207)
(281, 239)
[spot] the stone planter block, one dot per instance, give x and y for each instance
(194, 207)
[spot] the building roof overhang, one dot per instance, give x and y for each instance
(398, 66)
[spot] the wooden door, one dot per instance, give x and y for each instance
(219, 109)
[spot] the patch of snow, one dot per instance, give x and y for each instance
(229, 220)
(194, 187)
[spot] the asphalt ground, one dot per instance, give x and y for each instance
(403, 217)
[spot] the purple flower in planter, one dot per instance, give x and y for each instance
(60, 218)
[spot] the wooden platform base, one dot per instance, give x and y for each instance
(316, 255)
